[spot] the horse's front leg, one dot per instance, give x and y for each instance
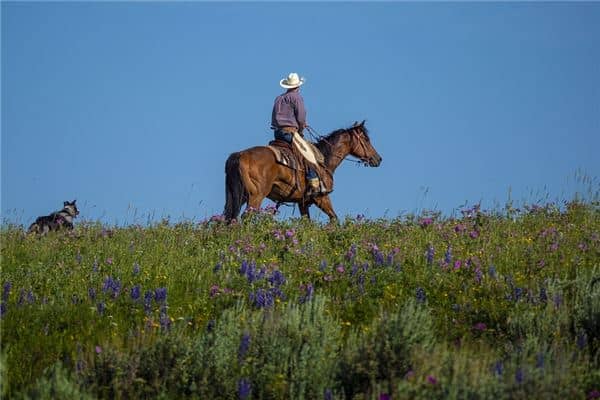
(303, 207)
(324, 203)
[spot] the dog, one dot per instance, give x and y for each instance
(57, 220)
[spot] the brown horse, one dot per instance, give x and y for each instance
(253, 174)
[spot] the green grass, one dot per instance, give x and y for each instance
(489, 305)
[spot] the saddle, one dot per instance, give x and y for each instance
(285, 154)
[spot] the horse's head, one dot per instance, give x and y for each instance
(361, 147)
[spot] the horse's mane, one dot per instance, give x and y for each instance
(325, 143)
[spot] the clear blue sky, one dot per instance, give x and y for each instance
(132, 108)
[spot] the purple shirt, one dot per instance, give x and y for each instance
(288, 110)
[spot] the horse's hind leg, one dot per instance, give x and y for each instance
(303, 207)
(324, 203)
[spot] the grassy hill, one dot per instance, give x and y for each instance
(489, 305)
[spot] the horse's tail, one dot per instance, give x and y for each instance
(235, 193)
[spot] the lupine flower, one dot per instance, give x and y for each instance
(95, 265)
(135, 292)
(160, 295)
(214, 290)
(492, 272)
(421, 297)
(519, 375)
(148, 301)
(78, 258)
(101, 308)
(354, 269)
(543, 295)
(112, 286)
(378, 255)
(2, 309)
(581, 340)
(276, 279)
(594, 394)
(136, 268)
(351, 254)
(557, 299)
(429, 254)
(21, 297)
(323, 265)
(327, 394)
(448, 255)
(499, 368)
(384, 396)
(261, 298)
(165, 321)
(243, 267)
(217, 267)
(92, 293)
(244, 346)
(308, 293)
(478, 275)
(6, 290)
(244, 388)
(431, 379)
(539, 360)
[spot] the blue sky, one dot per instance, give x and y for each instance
(132, 108)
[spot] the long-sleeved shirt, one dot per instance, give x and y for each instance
(288, 110)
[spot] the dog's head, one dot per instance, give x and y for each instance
(71, 208)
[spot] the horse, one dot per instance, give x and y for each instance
(253, 174)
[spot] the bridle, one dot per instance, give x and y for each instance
(354, 135)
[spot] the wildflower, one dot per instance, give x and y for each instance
(276, 279)
(109, 261)
(351, 254)
(136, 268)
(112, 286)
(101, 308)
(328, 278)
(581, 340)
(244, 388)
(165, 321)
(384, 396)
(480, 326)
(308, 293)
(499, 368)
(539, 360)
(210, 325)
(554, 246)
(323, 265)
(518, 292)
(160, 295)
(409, 375)
(594, 394)
(492, 272)
(327, 394)
(378, 255)
(474, 234)
(460, 228)
(421, 297)
(243, 267)
(217, 267)
(340, 268)
(290, 233)
(519, 375)
(78, 258)
(92, 293)
(2, 309)
(148, 301)
(448, 255)
(6, 290)
(360, 217)
(425, 222)
(244, 346)
(98, 349)
(278, 235)
(557, 300)
(261, 298)
(543, 295)
(135, 293)
(95, 265)
(214, 290)
(429, 254)
(457, 265)
(478, 275)
(21, 297)
(431, 379)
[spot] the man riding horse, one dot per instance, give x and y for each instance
(288, 121)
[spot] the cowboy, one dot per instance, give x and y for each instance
(288, 120)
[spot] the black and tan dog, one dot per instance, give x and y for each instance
(57, 220)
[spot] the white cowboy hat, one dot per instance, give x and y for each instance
(292, 81)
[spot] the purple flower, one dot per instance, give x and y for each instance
(478, 275)
(492, 272)
(276, 279)
(214, 290)
(340, 268)
(425, 222)
(480, 326)
(448, 255)
(474, 234)
(431, 379)
(160, 295)
(308, 293)
(92, 293)
(429, 254)
(323, 265)
(384, 396)
(543, 295)
(135, 292)
(539, 360)
(21, 297)
(351, 254)
(6, 290)
(499, 368)
(244, 388)
(136, 268)
(421, 297)
(594, 394)
(101, 308)
(98, 349)
(519, 376)
(109, 261)
(457, 265)
(2, 309)
(244, 346)
(165, 321)
(290, 233)
(148, 301)
(112, 286)
(243, 267)
(581, 340)
(217, 267)
(327, 394)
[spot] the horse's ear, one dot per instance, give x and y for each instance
(363, 122)
(65, 203)
(355, 123)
